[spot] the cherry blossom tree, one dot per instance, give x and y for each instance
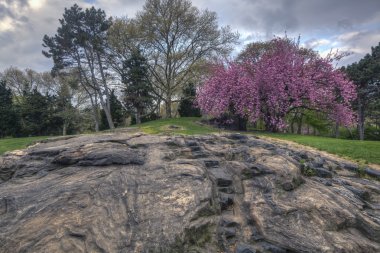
(282, 80)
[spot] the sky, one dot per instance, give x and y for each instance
(324, 25)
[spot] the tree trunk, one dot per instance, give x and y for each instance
(64, 129)
(94, 105)
(107, 111)
(107, 105)
(299, 128)
(360, 119)
(96, 117)
(138, 117)
(168, 108)
(337, 130)
(292, 123)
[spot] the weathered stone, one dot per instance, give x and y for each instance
(244, 248)
(229, 233)
(373, 173)
(211, 163)
(255, 171)
(237, 137)
(118, 192)
(288, 186)
(226, 201)
(226, 222)
(363, 194)
(321, 172)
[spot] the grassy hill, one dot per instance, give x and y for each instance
(363, 151)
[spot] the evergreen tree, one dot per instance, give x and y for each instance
(8, 117)
(34, 111)
(186, 105)
(366, 76)
(81, 44)
(137, 92)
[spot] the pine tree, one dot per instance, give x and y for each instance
(8, 116)
(137, 92)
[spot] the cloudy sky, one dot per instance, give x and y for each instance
(347, 25)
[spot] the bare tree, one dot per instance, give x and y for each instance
(177, 38)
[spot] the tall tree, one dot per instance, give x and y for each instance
(366, 76)
(138, 89)
(81, 43)
(178, 37)
(8, 117)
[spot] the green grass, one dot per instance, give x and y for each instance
(9, 144)
(353, 149)
(361, 151)
(187, 126)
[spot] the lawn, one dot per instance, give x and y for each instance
(353, 149)
(356, 150)
(187, 126)
(9, 144)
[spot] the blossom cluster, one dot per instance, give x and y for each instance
(285, 78)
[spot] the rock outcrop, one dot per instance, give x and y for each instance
(216, 193)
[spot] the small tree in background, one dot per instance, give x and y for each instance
(138, 89)
(187, 107)
(8, 117)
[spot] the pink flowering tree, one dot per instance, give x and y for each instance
(285, 78)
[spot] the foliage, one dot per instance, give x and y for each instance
(145, 118)
(48, 108)
(366, 76)
(178, 38)
(283, 80)
(8, 117)
(37, 114)
(81, 44)
(187, 107)
(117, 111)
(137, 87)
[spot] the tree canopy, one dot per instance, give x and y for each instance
(282, 80)
(365, 74)
(178, 38)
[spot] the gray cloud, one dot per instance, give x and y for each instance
(349, 25)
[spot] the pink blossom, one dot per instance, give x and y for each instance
(282, 80)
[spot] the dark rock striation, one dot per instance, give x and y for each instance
(135, 193)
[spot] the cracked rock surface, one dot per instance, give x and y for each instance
(126, 192)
